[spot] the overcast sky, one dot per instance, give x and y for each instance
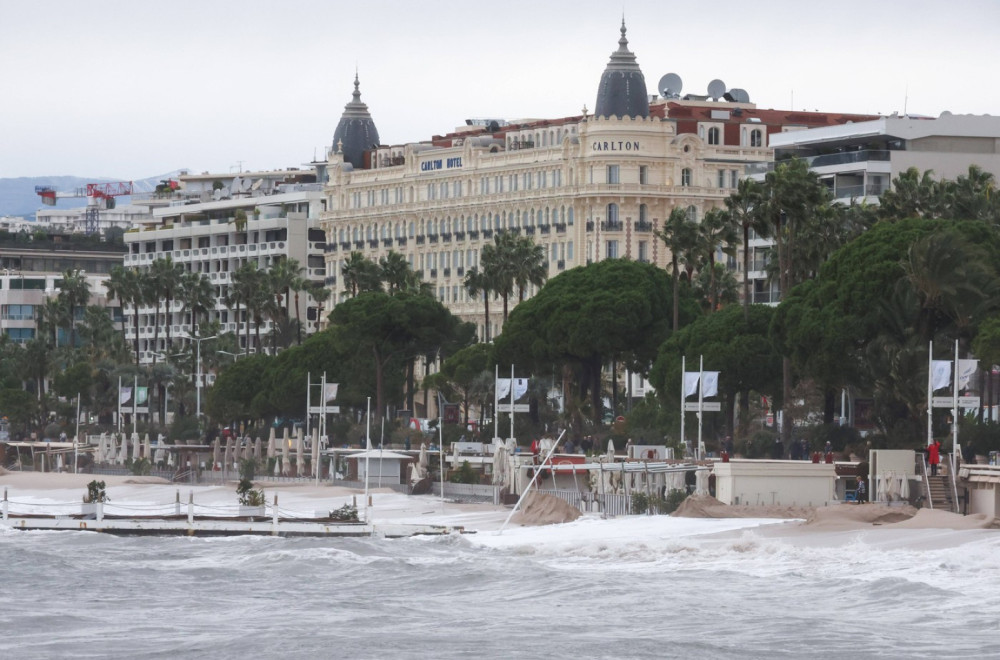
(132, 89)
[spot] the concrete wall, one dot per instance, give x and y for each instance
(984, 498)
(786, 483)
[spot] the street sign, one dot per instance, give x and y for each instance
(518, 407)
(333, 410)
(706, 406)
(963, 402)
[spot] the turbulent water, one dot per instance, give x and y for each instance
(918, 594)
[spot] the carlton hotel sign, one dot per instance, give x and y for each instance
(441, 163)
(616, 145)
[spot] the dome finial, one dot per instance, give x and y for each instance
(357, 87)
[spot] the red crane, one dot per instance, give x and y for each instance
(99, 196)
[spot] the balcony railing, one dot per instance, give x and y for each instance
(612, 225)
(643, 226)
(850, 192)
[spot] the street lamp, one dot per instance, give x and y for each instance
(197, 384)
(235, 356)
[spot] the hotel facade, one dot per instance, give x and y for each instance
(586, 187)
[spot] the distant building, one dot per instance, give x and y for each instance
(31, 272)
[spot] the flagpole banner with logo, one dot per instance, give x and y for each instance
(503, 388)
(124, 395)
(691, 380)
(709, 383)
(940, 374)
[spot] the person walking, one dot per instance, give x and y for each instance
(934, 456)
(861, 493)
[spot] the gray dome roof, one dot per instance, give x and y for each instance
(622, 92)
(356, 132)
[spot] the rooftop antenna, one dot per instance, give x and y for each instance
(906, 97)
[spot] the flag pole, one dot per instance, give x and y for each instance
(119, 405)
(496, 401)
(308, 401)
(930, 392)
(954, 410)
(683, 395)
(701, 390)
(135, 403)
(368, 448)
(512, 400)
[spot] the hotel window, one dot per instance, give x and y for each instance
(644, 251)
(756, 138)
(555, 252)
(713, 135)
(612, 250)
(692, 214)
(613, 176)
(734, 179)
(643, 213)
(569, 251)
(643, 175)
(722, 178)
(686, 176)
(612, 214)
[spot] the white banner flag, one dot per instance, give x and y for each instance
(691, 379)
(124, 394)
(141, 396)
(940, 374)
(965, 370)
(520, 387)
(331, 392)
(710, 383)
(503, 388)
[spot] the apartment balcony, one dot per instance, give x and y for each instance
(401, 240)
(386, 242)
(373, 243)
(560, 227)
(590, 225)
(445, 237)
(856, 191)
(420, 240)
(643, 226)
(530, 231)
(474, 234)
(544, 229)
(612, 225)
(459, 235)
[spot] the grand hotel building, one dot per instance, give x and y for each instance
(587, 187)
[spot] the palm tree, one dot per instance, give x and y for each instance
(395, 271)
(197, 297)
(477, 282)
(499, 261)
(167, 276)
(912, 195)
(718, 229)
(121, 286)
(745, 206)
(680, 235)
(52, 315)
(360, 274)
(74, 292)
(530, 265)
(240, 292)
(282, 277)
(101, 339)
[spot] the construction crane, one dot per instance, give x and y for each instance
(99, 196)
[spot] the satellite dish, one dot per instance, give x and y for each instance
(716, 89)
(739, 95)
(670, 86)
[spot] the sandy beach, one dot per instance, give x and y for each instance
(46, 492)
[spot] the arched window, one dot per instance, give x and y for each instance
(686, 176)
(692, 214)
(612, 214)
(756, 138)
(713, 135)
(643, 213)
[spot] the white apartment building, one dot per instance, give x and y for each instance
(198, 231)
(860, 160)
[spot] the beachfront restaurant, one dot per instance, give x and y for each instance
(774, 482)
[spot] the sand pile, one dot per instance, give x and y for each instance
(540, 509)
(938, 519)
(706, 506)
(845, 516)
(3, 472)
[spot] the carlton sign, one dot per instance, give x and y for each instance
(616, 145)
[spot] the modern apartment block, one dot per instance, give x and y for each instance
(198, 230)
(586, 187)
(31, 272)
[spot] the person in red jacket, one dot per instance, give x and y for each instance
(934, 456)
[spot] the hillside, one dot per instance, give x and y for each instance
(17, 195)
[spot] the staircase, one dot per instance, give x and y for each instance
(940, 492)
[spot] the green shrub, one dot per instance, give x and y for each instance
(464, 475)
(249, 496)
(96, 492)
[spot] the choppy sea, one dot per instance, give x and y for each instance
(915, 594)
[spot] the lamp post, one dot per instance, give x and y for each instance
(197, 384)
(235, 356)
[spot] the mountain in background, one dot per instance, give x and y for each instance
(18, 198)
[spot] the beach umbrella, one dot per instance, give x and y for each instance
(284, 453)
(277, 466)
(99, 452)
(158, 456)
(228, 456)
(422, 458)
(315, 452)
(146, 449)
(271, 445)
(170, 459)
(701, 482)
(611, 450)
(258, 450)
(904, 488)
(216, 453)
(247, 449)
(300, 454)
